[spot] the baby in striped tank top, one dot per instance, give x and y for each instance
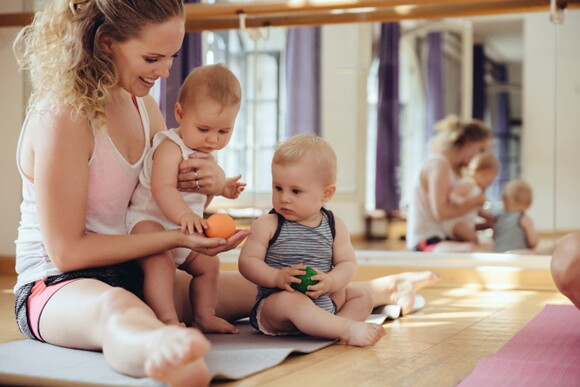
(301, 233)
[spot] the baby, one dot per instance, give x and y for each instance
(514, 230)
(206, 109)
(301, 233)
(480, 173)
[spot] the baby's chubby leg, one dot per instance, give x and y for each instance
(354, 303)
(290, 311)
(158, 278)
(203, 291)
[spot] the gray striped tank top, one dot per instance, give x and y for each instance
(294, 244)
(508, 234)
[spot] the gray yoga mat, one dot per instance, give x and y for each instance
(29, 362)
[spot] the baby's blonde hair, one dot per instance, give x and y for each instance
(483, 162)
(62, 52)
(214, 81)
(519, 192)
(311, 148)
(453, 133)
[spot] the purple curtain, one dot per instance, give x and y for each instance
(502, 131)
(303, 81)
(387, 190)
(190, 56)
(435, 109)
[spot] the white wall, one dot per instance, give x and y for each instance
(345, 66)
(543, 93)
(11, 108)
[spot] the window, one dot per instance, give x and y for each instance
(257, 62)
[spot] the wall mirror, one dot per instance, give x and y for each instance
(513, 55)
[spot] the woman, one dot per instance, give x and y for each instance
(89, 122)
(454, 145)
(90, 119)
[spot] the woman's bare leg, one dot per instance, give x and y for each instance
(353, 302)
(235, 299)
(88, 314)
(398, 289)
(237, 295)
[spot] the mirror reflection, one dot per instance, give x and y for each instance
(497, 69)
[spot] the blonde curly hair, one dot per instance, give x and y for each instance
(451, 132)
(61, 51)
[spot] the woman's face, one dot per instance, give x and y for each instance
(143, 60)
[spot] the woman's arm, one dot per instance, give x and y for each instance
(437, 182)
(61, 149)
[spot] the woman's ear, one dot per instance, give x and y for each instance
(106, 43)
(328, 192)
(178, 112)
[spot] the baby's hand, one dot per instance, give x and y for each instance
(285, 277)
(191, 223)
(324, 285)
(233, 187)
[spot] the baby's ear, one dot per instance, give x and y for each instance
(329, 192)
(178, 112)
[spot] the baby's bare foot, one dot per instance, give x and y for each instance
(363, 334)
(176, 357)
(214, 324)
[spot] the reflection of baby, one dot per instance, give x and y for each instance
(513, 229)
(481, 172)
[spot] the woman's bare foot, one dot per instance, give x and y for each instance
(214, 324)
(400, 289)
(176, 357)
(363, 334)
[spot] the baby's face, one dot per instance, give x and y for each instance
(297, 191)
(484, 178)
(207, 126)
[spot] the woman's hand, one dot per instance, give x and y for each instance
(201, 173)
(286, 276)
(324, 285)
(213, 246)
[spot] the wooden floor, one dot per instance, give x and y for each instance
(438, 346)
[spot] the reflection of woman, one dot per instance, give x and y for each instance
(452, 148)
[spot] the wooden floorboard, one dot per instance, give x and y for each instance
(437, 346)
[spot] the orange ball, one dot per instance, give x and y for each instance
(220, 226)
